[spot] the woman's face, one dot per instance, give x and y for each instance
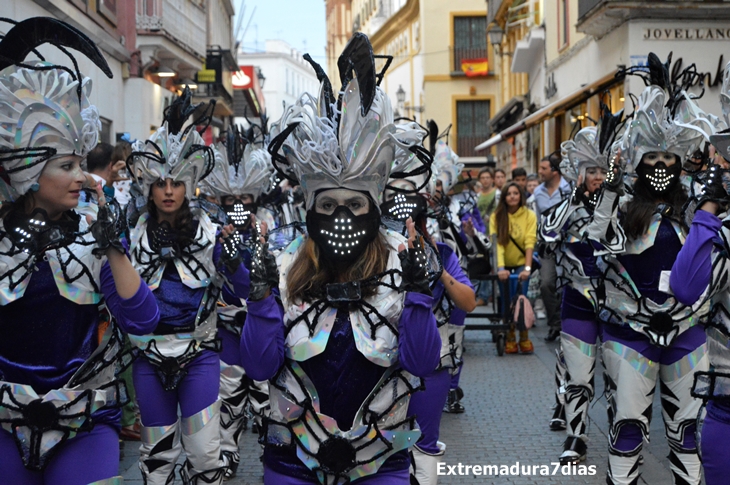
(59, 186)
(168, 196)
(513, 198)
(328, 200)
(486, 180)
(652, 158)
(594, 178)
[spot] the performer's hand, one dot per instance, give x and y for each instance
(713, 195)
(414, 276)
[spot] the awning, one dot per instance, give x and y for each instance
(510, 113)
(552, 109)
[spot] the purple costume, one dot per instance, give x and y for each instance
(332, 360)
(180, 365)
(700, 268)
(45, 339)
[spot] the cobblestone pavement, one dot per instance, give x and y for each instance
(508, 405)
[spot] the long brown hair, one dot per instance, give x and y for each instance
(502, 214)
(308, 276)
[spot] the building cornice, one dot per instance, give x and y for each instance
(395, 25)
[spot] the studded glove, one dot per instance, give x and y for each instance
(107, 229)
(230, 256)
(264, 272)
(712, 189)
(414, 275)
(615, 177)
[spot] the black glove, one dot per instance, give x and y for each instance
(712, 189)
(230, 256)
(615, 177)
(107, 229)
(414, 276)
(264, 272)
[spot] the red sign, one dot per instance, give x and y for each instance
(244, 78)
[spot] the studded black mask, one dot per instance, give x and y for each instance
(342, 236)
(659, 178)
(239, 214)
(403, 206)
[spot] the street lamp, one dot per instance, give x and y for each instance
(400, 95)
(496, 34)
(261, 78)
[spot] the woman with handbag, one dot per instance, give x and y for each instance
(514, 228)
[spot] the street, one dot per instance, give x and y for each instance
(508, 404)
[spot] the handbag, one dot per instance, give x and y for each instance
(536, 263)
(523, 315)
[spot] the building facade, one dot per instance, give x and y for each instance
(339, 30)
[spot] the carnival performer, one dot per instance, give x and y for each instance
(453, 298)
(647, 333)
(185, 259)
(358, 324)
(701, 270)
(67, 287)
(514, 229)
(565, 230)
(241, 173)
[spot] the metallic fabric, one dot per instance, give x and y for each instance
(251, 176)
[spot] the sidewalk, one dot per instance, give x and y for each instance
(508, 404)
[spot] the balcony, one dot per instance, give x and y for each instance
(172, 30)
(599, 17)
(458, 55)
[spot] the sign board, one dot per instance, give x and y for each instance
(206, 76)
(243, 78)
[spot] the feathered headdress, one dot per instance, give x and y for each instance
(248, 172)
(666, 118)
(592, 146)
(44, 108)
(351, 142)
(171, 152)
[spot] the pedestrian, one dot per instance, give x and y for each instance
(184, 257)
(499, 178)
(532, 182)
(241, 174)
(647, 334)
(514, 229)
(121, 181)
(68, 287)
(103, 169)
(357, 324)
(553, 189)
(519, 176)
(570, 232)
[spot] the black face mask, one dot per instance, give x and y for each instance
(403, 206)
(239, 214)
(659, 178)
(342, 236)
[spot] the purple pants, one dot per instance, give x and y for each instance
(714, 443)
(197, 391)
(585, 330)
(398, 477)
(84, 459)
(428, 406)
(231, 351)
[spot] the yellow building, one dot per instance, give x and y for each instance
(432, 42)
(338, 15)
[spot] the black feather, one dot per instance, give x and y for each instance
(607, 127)
(357, 58)
(433, 136)
(179, 111)
(25, 36)
(329, 95)
(659, 71)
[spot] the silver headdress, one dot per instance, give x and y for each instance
(180, 155)
(44, 108)
(592, 146)
(445, 168)
(720, 138)
(347, 143)
(252, 175)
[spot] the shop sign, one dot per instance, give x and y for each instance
(703, 33)
(707, 78)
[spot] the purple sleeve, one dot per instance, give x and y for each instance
(241, 284)
(419, 343)
(137, 315)
(693, 267)
(262, 340)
